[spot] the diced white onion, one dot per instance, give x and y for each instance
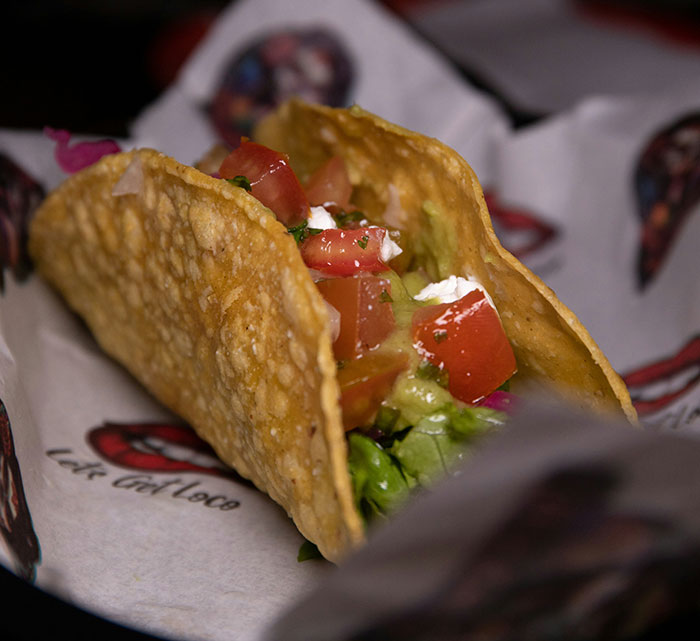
(131, 181)
(317, 275)
(394, 215)
(334, 318)
(389, 249)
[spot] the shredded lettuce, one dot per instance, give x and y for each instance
(430, 450)
(378, 483)
(441, 440)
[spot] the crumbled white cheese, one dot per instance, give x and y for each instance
(389, 249)
(320, 218)
(451, 289)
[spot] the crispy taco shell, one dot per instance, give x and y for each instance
(196, 288)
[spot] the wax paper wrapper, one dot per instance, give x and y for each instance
(111, 503)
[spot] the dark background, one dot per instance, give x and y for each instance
(91, 67)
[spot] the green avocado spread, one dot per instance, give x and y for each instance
(421, 432)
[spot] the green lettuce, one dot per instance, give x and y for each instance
(378, 484)
(383, 477)
(441, 440)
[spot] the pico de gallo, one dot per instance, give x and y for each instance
(423, 368)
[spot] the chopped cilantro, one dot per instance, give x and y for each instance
(440, 335)
(240, 181)
(385, 297)
(363, 242)
(429, 372)
(505, 387)
(302, 231)
(308, 551)
(298, 231)
(346, 217)
(386, 418)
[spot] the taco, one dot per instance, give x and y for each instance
(229, 313)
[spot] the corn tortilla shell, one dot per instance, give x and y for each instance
(196, 288)
(202, 295)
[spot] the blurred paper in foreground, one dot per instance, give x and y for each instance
(562, 527)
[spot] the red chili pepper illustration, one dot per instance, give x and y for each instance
(520, 232)
(157, 447)
(16, 525)
(20, 195)
(656, 385)
(667, 181)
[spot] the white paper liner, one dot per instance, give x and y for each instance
(176, 568)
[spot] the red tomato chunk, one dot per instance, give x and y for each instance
(366, 316)
(344, 252)
(272, 180)
(365, 383)
(330, 186)
(467, 339)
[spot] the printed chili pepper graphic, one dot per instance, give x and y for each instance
(520, 232)
(16, 525)
(157, 447)
(667, 183)
(656, 385)
(310, 63)
(20, 195)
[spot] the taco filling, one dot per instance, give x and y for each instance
(423, 367)
(327, 306)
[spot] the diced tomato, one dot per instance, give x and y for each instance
(365, 383)
(467, 339)
(366, 316)
(272, 180)
(344, 252)
(330, 186)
